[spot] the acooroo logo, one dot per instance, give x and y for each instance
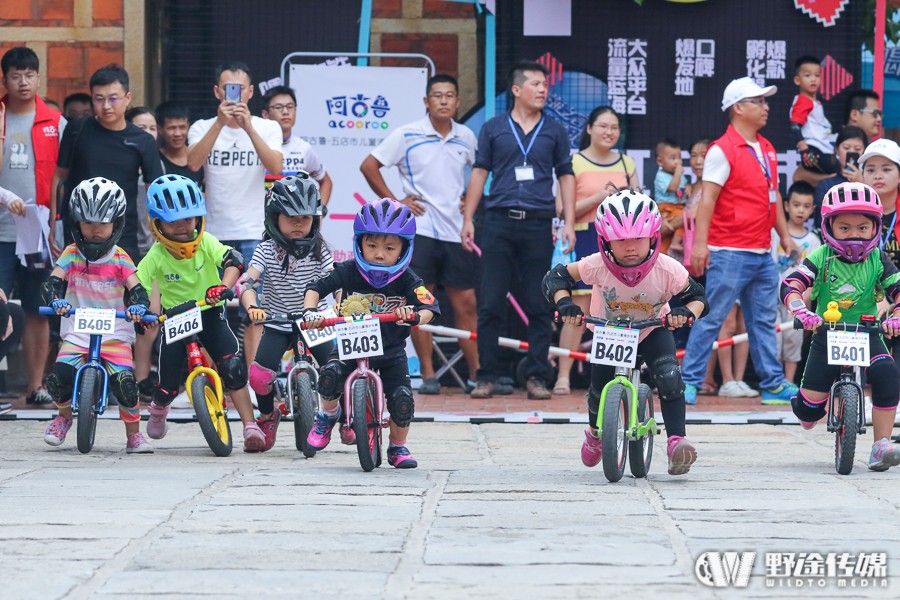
(353, 112)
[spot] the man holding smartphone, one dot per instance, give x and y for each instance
(236, 149)
(850, 144)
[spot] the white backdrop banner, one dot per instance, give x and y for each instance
(344, 112)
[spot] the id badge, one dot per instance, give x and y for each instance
(773, 196)
(524, 173)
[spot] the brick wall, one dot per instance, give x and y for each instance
(444, 31)
(73, 38)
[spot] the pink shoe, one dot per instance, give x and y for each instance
(156, 425)
(320, 435)
(348, 436)
(591, 449)
(138, 444)
(254, 438)
(808, 424)
(269, 429)
(55, 434)
(682, 455)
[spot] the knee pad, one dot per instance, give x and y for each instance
(163, 397)
(806, 410)
(402, 406)
(60, 387)
(233, 371)
(667, 376)
(261, 379)
(330, 380)
(125, 387)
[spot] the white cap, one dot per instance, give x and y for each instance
(883, 147)
(742, 88)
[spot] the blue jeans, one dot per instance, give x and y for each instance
(752, 279)
(247, 248)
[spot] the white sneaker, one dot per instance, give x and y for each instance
(731, 389)
(749, 392)
(181, 401)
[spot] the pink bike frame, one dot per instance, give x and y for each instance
(362, 371)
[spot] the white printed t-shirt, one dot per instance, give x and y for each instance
(300, 156)
(432, 168)
(235, 194)
(649, 299)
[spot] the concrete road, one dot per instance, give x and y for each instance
(494, 511)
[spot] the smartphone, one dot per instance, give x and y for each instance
(233, 92)
(852, 159)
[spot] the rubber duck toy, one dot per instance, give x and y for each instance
(832, 315)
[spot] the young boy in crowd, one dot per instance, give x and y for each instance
(798, 207)
(809, 126)
(670, 190)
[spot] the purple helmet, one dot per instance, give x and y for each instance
(383, 217)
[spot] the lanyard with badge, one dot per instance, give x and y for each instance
(887, 234)
(765, 168)
(525, 172)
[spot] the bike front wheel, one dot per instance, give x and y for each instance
(210, 412)
(640, 452)
(366, 426)
(88, 393)
(614, 435)
(847, 397)
(303, 401)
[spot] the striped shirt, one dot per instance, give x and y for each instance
(96, 284)
(283, 292)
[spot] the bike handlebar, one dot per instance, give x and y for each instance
(865, 327)
(658, 322)
(330, 322)
(178, 309)
(120, 314)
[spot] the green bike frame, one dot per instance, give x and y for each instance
(630, 378)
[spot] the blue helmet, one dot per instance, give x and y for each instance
(171, 198)
(384, 217)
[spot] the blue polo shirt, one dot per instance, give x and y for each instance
(499, 152)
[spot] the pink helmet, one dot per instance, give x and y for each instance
(857, 199)
(627, 215)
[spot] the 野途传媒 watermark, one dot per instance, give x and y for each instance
(813, 569)
(794, 569)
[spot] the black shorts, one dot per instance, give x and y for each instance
(444, 263)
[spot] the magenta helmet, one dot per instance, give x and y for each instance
(384, 217)
(857, 199)
(628, 215)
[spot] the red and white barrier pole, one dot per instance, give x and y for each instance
(554, 351)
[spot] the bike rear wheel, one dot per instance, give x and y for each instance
(303, 401)
(640, 452)
(366, 426)
(615, 427)
(88, 393)
(847, 397)
(210, 413)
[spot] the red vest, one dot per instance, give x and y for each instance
(45, 141)
(744, 217)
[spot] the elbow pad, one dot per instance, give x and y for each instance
(53, 289)
(233, 258)
(137, 295)
(695, 293)
(558, 278)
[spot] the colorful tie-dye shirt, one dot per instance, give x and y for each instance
(96, 284)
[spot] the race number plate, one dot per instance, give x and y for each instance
(359, 339)
(314, 337)
(95, 321)
(615, 347)
(848, 348)
(183, 325)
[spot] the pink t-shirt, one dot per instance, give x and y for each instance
(610, 298)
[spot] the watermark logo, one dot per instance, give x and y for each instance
(812, 569)
(724, 569)
(357, 108)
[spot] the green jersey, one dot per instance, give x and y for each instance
(856, 287)
(182, 280)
